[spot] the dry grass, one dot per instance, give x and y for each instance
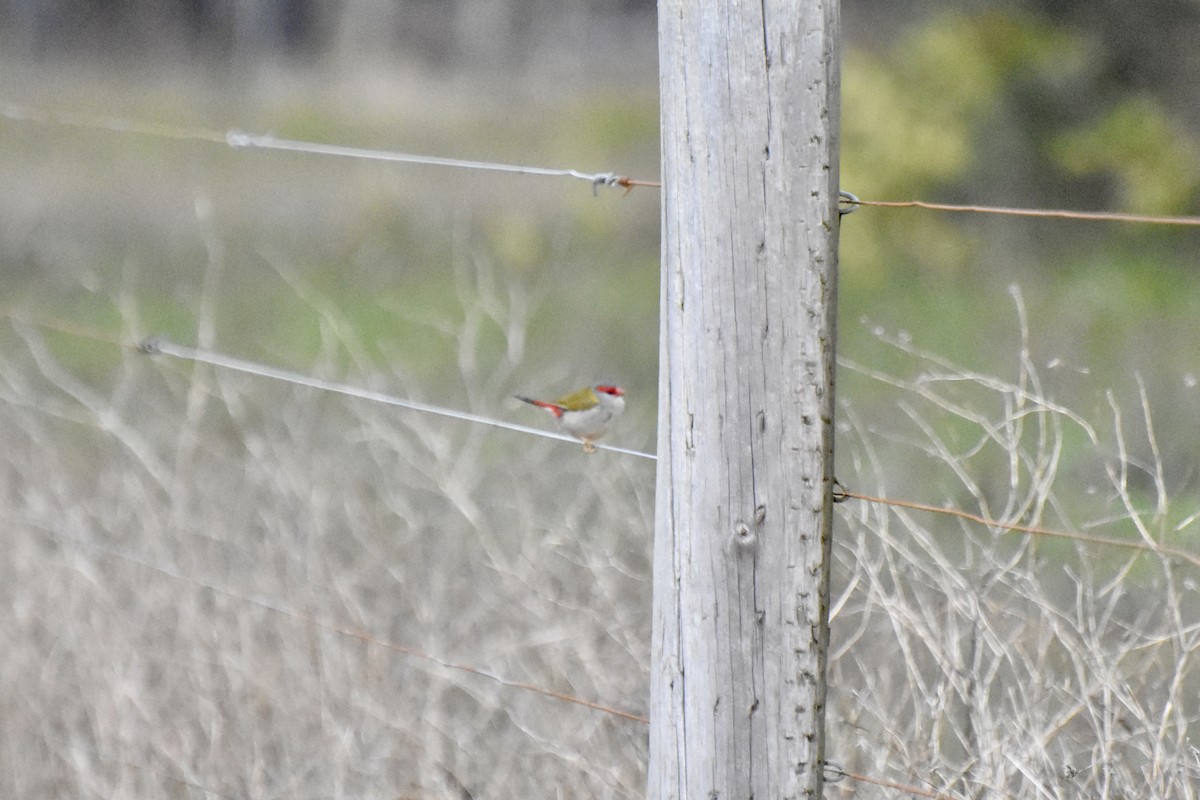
(187, 549)
(190, 552)
(980, 663)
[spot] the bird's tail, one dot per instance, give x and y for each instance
(553, 409)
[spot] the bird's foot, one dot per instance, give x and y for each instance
(589, 446)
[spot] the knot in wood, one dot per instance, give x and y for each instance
(743, 536)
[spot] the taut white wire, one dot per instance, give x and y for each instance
(156, 345)
(235, 138)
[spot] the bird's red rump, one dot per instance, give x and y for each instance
(553, 408)
(557, 411)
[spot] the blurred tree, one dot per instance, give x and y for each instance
(1149, 48)
(1154, 164)
(115, 29)
(1005, 108)
(458, 33)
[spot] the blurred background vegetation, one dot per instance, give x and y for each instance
(463, 287)
(1073, 105)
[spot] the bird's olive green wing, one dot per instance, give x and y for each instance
(578, 401)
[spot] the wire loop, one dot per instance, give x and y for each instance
(833, 772)
(847, 203)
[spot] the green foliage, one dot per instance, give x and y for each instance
(1153, 160)
(910, 121)
(986, 108)
(914, 113)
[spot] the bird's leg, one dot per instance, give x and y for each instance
(589, 446)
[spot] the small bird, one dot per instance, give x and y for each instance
(587, 414)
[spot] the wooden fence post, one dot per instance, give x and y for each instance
(741, 553)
